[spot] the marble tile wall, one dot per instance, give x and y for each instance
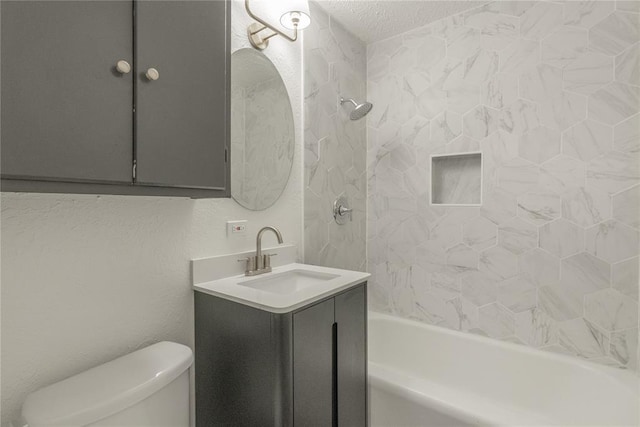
(335, 146)
(549, 92)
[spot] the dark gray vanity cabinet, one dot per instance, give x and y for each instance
(73, 123)
(302, 368)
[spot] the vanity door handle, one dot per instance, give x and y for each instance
(334, 374)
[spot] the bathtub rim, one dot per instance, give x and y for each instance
(626, 378)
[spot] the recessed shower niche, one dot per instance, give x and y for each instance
(456, 179)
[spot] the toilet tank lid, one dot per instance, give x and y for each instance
(107, 389)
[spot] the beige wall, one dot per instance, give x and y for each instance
(89, 278)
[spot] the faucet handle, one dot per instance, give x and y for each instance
(267, 260)
(251, 263)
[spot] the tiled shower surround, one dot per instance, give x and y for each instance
(335, 147)
(549, 92)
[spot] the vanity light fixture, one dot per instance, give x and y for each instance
(294, 15)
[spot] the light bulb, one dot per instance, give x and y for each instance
(295, 19)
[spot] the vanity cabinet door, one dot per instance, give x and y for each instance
(182, 123)
(66, 110)
(313, 378)
(351, 325)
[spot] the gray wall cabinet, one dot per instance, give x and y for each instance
(303, 368)
(66, 114)
(70, 122)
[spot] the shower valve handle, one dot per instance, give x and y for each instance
(343, 211)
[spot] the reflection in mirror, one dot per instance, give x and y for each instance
(262, 131)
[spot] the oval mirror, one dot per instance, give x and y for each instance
(262, 131)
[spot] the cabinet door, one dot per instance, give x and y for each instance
(181, 122)
(66, 111)
(313, 365)
(234, 375)
(351, 320)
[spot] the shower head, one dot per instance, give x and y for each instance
(360, 110)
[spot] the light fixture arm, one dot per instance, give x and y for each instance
(262, 42)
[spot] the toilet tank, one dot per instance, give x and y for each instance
(149, 387)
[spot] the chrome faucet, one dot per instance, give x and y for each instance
(259, 263)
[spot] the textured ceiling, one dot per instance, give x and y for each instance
(373, 20)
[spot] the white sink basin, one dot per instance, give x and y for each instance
(286, 288)
(288, 282)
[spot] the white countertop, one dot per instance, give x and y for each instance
(230, 288)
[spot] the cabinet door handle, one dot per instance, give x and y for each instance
(334, 374)
(123, 67)
(152, 74)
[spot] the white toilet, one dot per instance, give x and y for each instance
(149, 387)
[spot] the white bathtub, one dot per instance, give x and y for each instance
(421, 375)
